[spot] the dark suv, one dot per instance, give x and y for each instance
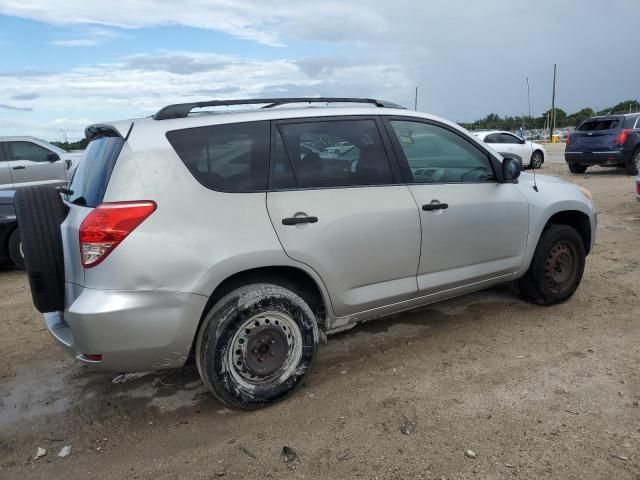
(610, 140)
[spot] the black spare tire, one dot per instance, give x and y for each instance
(40, 211)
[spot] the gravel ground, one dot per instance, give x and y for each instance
(534, 392)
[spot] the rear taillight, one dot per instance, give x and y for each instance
(622, 137)
(568, 141)
(107, 225)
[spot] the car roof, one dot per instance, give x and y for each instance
(148, 125)
(15, 138)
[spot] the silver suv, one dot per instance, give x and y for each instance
(242, 238)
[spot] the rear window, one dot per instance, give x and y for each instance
(595, 125)
(229, 158)
(90, 179)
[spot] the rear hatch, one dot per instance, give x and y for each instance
(596, 134)
(86, 191)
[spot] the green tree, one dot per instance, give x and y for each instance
(580, 116)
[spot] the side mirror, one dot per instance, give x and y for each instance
(53, 157)
(511, 169)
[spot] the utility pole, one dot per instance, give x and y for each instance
(529, 103)
(552, 120)
(415, 100)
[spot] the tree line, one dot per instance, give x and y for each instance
(494, 121)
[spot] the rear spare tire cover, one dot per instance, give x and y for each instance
(40, 211)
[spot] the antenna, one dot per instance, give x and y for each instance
(415, 100)
(535, 185)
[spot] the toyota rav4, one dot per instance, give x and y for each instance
(241, 238)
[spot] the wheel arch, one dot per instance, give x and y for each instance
(292, 278)
(575, 219)
(537, 150)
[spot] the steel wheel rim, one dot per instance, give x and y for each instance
(637, 162)
(280, 358)
(561, 266)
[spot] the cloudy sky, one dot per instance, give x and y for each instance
(67, 63)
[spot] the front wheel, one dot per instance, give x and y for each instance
(256, 345)
(633, 167)
(556, 268)
(575, 168)
(537, 160)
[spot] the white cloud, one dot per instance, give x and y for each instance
(467, 58)
(139, 85)
(81, 42)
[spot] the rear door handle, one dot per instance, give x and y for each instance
(429, 207)
(19, 167)
(299, 220)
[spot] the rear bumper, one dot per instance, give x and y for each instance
(132, 330)
(597, 158)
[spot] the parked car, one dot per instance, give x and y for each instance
(610, 140)
(28, 161)
(217, 237)
(533, 154)
(10, 244)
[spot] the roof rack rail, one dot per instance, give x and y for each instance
(182, 110)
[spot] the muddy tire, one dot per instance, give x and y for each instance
(40, 211)
(15, 249)
(255, 345)
(556, 268)
(575, 168)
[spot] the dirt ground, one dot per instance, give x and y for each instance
(534, 392)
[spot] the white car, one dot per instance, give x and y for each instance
(532, 154)
(26, 161)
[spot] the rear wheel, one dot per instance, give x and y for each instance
(633, 167)
(537, 159)
(256, 345)
(556, 268)
(575, 168)
(15, 249)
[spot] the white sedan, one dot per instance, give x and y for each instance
(532, 154)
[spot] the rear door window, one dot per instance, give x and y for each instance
(599, 124)
(228, 158)
(89, 182)
(330, 153)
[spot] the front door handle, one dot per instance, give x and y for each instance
(19, 167)
(299, 220)
(429, 207)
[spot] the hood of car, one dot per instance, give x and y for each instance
(527, 177)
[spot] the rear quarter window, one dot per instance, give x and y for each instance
(91, 177)
(228, 158)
